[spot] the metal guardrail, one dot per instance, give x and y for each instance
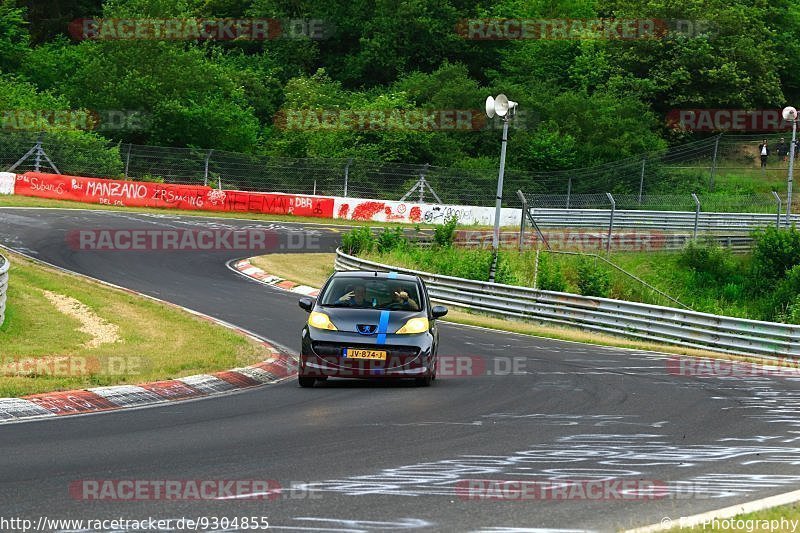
(653, 323)
(658, 220)
(4, 266)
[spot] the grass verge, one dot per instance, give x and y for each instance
(43, 349)
(306, 269)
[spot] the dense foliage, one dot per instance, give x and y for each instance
(585, 101)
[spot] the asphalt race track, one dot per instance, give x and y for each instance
(366, 456)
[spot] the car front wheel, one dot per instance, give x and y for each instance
(306, 381)
(424, 381)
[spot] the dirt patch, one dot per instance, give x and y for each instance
(101, 331)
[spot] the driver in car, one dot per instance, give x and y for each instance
(356, 297)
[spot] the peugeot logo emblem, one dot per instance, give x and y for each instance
(367, 329)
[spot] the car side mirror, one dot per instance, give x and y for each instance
(306, 304)
(438, 311)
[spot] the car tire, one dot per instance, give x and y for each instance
(424, 381)
(306, 381)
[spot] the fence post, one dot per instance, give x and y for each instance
(346, 175)
(38, 160)
(569, 190)
(641, 180)
(696, 213)
(780, 208)
(315, 188)
(536, 267)
(522, 222)
(714, 164)
(422, 183)
(610, 222)
(128, 161)
(205, 173)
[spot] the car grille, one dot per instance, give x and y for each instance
(331, 349)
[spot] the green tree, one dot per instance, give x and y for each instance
(14, 38)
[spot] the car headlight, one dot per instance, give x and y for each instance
(414, 325)
(320, 321)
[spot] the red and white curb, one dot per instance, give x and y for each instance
(245, 268)
(278, 367)
(82, 401)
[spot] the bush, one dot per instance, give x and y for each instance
(507, 272)
(443, 235)
(783, 303)
(391, 239)
(593, 280)
(792, 313)
(357, 241)
(775, 252)
(550, 277)
(709, 259)
(458, 262)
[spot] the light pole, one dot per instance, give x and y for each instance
(502, 107)
(790, 113)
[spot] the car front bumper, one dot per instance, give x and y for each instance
(408, 356)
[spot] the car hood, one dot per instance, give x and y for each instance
(367, 321)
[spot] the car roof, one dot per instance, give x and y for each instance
(371, 274)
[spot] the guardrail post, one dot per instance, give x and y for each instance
(696, 213)
(610, 222)
(780, 208)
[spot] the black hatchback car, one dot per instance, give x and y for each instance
(370, 325)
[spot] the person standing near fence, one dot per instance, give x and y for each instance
(782, 149)
(763, 151)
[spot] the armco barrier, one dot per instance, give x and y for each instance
(658, 220)
(4, 266)
(602, 315)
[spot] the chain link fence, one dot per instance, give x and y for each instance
(724, 170)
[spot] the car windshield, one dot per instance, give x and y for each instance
(371, 293)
